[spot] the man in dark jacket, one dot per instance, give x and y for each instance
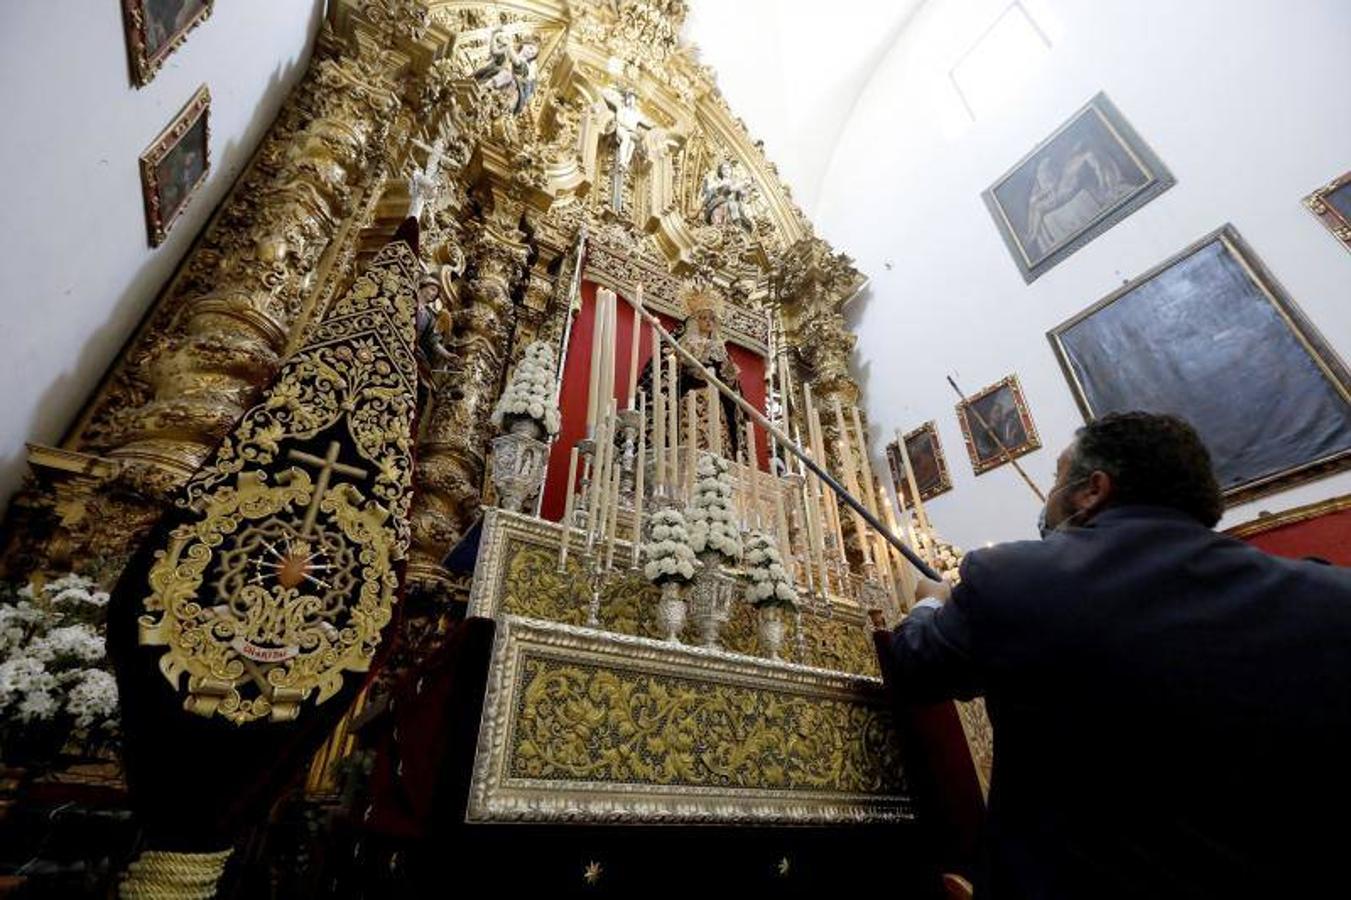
(1171, 708)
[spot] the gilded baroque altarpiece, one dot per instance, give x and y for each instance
(540, 126)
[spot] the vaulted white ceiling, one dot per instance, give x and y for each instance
(792, 69)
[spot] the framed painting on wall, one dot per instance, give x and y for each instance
(156, 28)
(175, 165)
(1091, 173)
(1209, 335)
(995, 420)
(1332, 205)
(926, 458)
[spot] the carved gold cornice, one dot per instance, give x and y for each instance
(1271, 521)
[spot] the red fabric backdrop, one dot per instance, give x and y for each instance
(577, 373)
(1328, 536)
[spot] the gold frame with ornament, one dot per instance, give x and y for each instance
(1032, 442)
(1329, 215)
(144, 65)
(196, 109)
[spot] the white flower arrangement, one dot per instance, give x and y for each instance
(531, 389)
(713, 525)
(54, 662)
(771, 584)
(668, 553)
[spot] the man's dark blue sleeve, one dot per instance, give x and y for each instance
(928, 657)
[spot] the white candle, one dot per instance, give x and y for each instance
(915, 498)
(714, 422)
(658, 416)
(567, 510)
(640, 481)
(673, 410)
(851, 479)
(633, 349)
(752, 471)
(691, 441)
(594, 364)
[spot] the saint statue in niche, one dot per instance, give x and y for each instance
(626, 123)
(701, 335)
(510, 69)
(725, 197)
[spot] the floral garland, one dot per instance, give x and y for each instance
(712, 523)
(531, 389)
(54, 667)
(770, 582)
(668, 553)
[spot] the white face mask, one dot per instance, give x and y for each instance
(1042, 528)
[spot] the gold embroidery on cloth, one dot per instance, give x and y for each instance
(584, 723)
(283, 576)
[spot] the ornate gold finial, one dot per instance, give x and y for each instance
(698, 296)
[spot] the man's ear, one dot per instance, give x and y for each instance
(1097, 490)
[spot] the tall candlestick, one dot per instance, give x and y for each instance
(818, 445)
(781, 525)
(903, 513)
(915, 498)
(714, 422)
(691, 442)
(593, 375)
(633, 348)
(846, 449)
(882, 550)
(658, 417)
(752, 470)
(567, 510)
(612, 518)
(639, 484)
(673, 426)
(608, 348)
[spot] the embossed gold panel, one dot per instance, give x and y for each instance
(588, 726)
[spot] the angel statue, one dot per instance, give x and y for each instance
(724, 197)
(701, 335)
(510, 69)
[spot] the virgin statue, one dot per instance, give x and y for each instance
(700, 333)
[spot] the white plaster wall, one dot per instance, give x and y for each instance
(76, 270)
(1245, 102)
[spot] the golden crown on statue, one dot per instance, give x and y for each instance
(699, 296)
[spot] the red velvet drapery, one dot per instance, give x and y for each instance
(577, 372)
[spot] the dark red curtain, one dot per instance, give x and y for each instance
(577, 373)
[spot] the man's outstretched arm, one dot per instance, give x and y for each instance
(928, 656)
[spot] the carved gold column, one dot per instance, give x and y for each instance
(812, 286)
(508, 187)
(254, 271)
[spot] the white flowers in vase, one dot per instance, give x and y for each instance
(713, 526)
(668, 553)
(530, 392)
(770, 582)
(54, 678)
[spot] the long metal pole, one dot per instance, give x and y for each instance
(793, 448)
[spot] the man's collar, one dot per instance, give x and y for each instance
(1140, 511)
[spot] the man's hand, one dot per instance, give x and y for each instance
(938, 590)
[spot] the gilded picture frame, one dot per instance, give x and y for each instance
(174, 167)
(155, 29)
(1004, 409)
(1332, 205)
(1211, 336)
(1089, 174)
(926, 458)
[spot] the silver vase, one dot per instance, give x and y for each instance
(671, 610)
(711, 596)
(771, 626)
(519, 464)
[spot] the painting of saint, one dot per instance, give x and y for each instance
(178, 173)
(1087, 176)
(927, 461)
(996, 420)
(155, 28)
(175, 165)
